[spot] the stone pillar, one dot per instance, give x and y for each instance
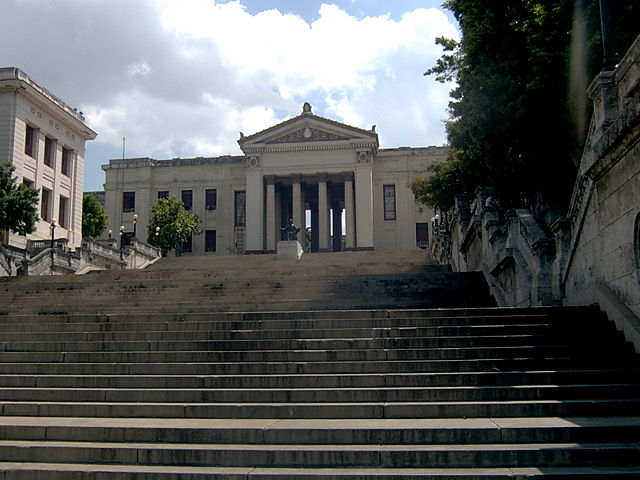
(364, 205)
(349, 212)
(298, 207)
(323, 215)
(255, 211)
(271, 213)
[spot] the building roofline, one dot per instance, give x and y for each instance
(9, 74)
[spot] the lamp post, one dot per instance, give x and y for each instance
(135, 224)
(121, 237)
(52, 227)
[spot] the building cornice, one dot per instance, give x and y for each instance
(15, 79)
(310, 146)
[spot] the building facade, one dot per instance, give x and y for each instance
(322, 174)
(44, 138)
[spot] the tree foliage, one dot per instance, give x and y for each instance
(511, 121)
(18, 203)
(94, 217)
(175, 225)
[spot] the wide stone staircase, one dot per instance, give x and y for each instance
(156, 375)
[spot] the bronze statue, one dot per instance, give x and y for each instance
(290, 231)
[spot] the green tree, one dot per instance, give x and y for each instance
(512, 123)
(171, 225)
(94, 217)
(18, 203)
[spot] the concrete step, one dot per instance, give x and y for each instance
(70, 471)
(540, 329)
(208, 322)
(353, 394)
(516, 340)
(462, 409)
(268, 368)
(309, 456)
(414, 379)
(324, 431)
(531, 352)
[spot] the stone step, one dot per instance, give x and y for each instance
(324, 431)
(207, 322)
(468, 379)
(268, 368)
(70, 471)
(541, 329)
(462, 409)
(309, 456)
(585, 314)
(353, 394)
(515, 340)
(532, 352)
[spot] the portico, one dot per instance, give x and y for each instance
(310, 163)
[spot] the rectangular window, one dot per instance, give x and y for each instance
(30, 141)
(45, 203)
(163, 194)
(389, 192)
(187, 247)
(62, 212)
(240, 209)
(67, 161)
(422, 235)
(128, 201)
(187, 199)
(210, 199)
(49, 151)
(209, 240)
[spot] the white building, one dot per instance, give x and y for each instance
(44, 139)
(308, 168)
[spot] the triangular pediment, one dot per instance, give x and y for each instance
(307, 134)
(305, 129)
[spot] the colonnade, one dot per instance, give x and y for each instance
(273, 199)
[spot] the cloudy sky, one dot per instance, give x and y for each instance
(182, 78)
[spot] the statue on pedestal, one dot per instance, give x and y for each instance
(290, 231)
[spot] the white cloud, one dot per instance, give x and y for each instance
(183, 77)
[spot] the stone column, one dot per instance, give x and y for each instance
(255, 211)
(297, 201)
(323, 215)
(349, 212)
(364, 205)
(271, 213)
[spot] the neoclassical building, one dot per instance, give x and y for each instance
(44, 138)
(322, 174)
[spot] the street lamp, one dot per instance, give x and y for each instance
(52, 226)
(121, 237)
(109, 233)
(135, 224)
(157, 232)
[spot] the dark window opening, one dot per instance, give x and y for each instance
(389, 192)
(49, 151)
(128, 201)
(210, 241)
(240, 217)
(210, 199)
(187, 199)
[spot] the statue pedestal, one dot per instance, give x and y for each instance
(289, 250)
